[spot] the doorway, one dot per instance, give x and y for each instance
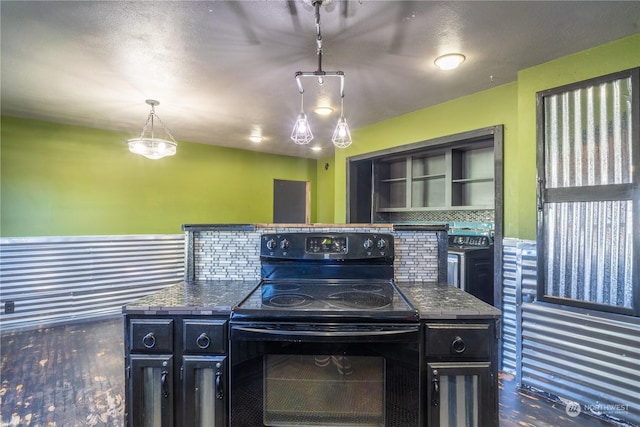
(291, 202)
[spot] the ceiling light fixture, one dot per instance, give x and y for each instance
(323, 111)
(341, 136)
(255, 138)
(449, 61)
(301, 131)
(153, 148)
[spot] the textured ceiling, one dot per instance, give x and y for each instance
(224, 69)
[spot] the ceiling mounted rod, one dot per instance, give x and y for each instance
(301, 133)
(317, 4)
(319, 73)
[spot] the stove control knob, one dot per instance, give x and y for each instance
(284, 244)
(271, 244)
(368, 244)
(382, 244)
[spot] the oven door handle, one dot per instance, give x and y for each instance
(321, 334)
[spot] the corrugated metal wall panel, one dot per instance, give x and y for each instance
(55, 280)
(510, 305)
(584, 356)
(586, 152)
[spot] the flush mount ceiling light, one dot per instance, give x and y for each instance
(449, 61)
(323, 111)
(153, 148)
(301, 131)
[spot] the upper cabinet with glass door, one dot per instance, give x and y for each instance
(453, 177)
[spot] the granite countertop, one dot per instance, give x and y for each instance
(445, 302)
(433, 301)
(200, 298)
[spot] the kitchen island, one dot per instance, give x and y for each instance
(458, 343)
(193, 357)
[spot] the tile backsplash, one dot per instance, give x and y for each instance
(223, 254)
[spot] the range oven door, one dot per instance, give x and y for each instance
(325, 375)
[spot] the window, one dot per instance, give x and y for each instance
(589, 194)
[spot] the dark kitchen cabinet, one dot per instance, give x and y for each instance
(151, 388)
(461, 374)
(176, 371)
(204, 373)
(204, 391)
(149, 372)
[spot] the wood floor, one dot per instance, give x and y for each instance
(74, 376)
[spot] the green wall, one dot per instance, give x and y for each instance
(491, 107)
(512, 105)
(324, 190)
(65, 180)
(605, 59)
(60, 180)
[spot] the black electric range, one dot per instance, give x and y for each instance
(326, 338)
(326, 278)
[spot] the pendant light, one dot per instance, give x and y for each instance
(301, 131)
(153, 148)
(341, 135)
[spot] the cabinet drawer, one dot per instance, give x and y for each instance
(459, 340)
(205, 336)
(151, 335)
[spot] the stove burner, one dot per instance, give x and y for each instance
(367, 288)
(289, 300)
(358, 300)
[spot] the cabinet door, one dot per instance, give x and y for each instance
(150, 390)
(461, 394)
(204, 386)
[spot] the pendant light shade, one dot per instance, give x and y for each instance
(152, 147)
(341, 135)
(301, 133)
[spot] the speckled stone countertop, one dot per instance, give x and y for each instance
(445, 302)
(433, 301)
(199, 298)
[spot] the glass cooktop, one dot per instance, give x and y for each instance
(328, 299)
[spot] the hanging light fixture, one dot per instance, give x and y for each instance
(153, 148)
(341, 135)
(301, 131)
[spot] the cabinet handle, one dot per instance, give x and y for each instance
(219, 389)
(540, 198)
(149, 340)
(203, 341)
(435, 395)
(458, 346)
(163, 382)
